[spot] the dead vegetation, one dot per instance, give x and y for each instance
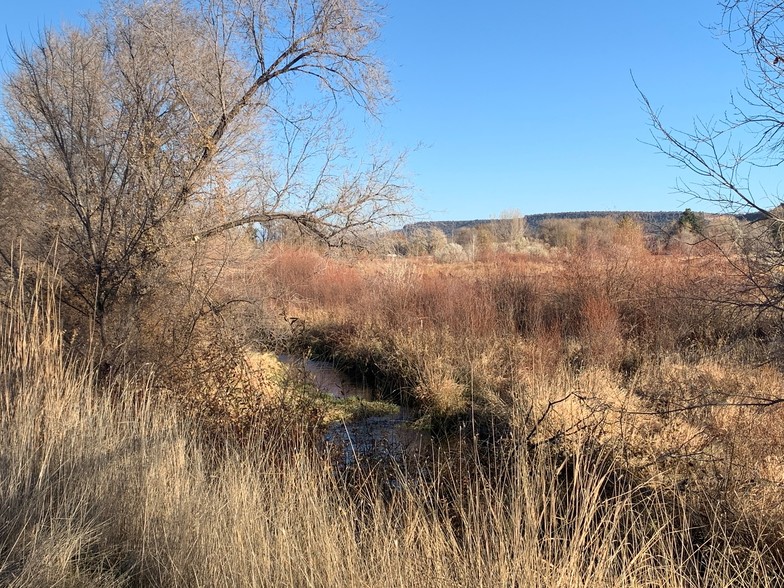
(605, 408)
(611, 345)
(596, 422)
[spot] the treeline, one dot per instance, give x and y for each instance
(652, 221)
(659, 232)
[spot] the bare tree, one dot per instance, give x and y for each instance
(510, 226)
(725, 157)
(168, 122)
(17, 215)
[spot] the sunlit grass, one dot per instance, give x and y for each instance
(106, 484)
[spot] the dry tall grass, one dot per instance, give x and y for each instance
(613, 346)
(103, 486)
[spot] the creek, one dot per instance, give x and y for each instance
(387, 436)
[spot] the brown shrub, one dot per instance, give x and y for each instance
(601, 331)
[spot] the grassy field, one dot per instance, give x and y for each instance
(596, 426)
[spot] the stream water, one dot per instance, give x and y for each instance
(375, 437)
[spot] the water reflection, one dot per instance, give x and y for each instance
(383, 437)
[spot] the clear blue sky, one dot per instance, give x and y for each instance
(529, 105)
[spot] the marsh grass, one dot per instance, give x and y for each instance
(614, 347)
(105, 485)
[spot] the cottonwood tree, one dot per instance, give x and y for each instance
(510, 226)
(17, 215)
(164, 124)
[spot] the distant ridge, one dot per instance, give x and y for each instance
(653, 222)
